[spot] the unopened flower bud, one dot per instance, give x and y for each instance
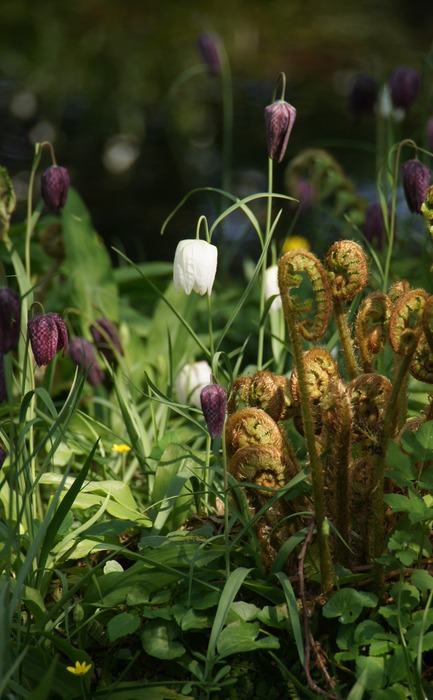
(208, 46)
(10, 320)
(213, 399)
(404, 84)
(48, 335)
(416, 179)
(279, 117)
(194, 267)
(106, 338)
(82, 353)
(55, 186)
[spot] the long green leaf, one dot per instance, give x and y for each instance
(228, 594)
(293, 613)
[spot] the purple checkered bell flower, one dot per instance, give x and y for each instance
(48, 335)
(416, 180)
(363, 95)
(10, 320)
(82, 354)
(279, 117)
(213, 399)
(106, 338)
(54, 187)
(404, 84)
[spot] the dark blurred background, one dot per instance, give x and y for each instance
(103, 80)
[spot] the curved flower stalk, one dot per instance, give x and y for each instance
(372, 327)
(290, 270)
(336, 412)
(347, 272)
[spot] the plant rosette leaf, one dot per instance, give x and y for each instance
(239, 637)
(159, 639)
(347, 604)
(122, 625)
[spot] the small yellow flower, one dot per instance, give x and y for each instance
(295, 242)
(120, 449)
(80, 668)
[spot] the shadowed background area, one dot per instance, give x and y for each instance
(121, 90)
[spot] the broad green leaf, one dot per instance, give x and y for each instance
(347, 604)
(406, 596)
(422, 580)
(243, 611)
(239, 637)
(193, 620)
(374, 666)
(122, 625)
(159, 640)
(228, 594)
(366, 630)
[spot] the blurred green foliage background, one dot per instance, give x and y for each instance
(96, 77)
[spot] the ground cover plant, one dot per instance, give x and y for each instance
(216, 483)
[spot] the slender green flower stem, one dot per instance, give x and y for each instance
(346, 341)
(391, 231)
(326, 572)
(378, 510)
(226, 508)
(261, 337)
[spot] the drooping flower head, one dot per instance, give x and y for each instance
(190, 381)
(213, 399)
(279, 117)
(106, 338)
(48, 335)
(374, 228)
(10, 320)
(82, 354)
(54, 187)
(416, 179)
(195, 264)
(404, 84)
(272, 289)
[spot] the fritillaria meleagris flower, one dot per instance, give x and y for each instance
(208, 45)
(213, 399)
(190, 381)
(194, 267)
(82, 354)
(416, 180)
(404, 84)
(106, 338)
(363, 95)
(279, 117)
(272, 288)
(10, 320)
(48, 335)
(54, 187)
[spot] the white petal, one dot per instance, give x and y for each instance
(190, 381)
(272, 288)
(194, 266)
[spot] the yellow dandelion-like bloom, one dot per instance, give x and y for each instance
(295, 242)
(80, 668)
(121, 449)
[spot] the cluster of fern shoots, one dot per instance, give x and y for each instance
(346, 408)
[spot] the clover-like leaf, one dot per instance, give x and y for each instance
(347, 604)
(159, 640)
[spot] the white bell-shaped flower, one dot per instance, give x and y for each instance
(195, 264)
(272, 288)
(190, 381)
